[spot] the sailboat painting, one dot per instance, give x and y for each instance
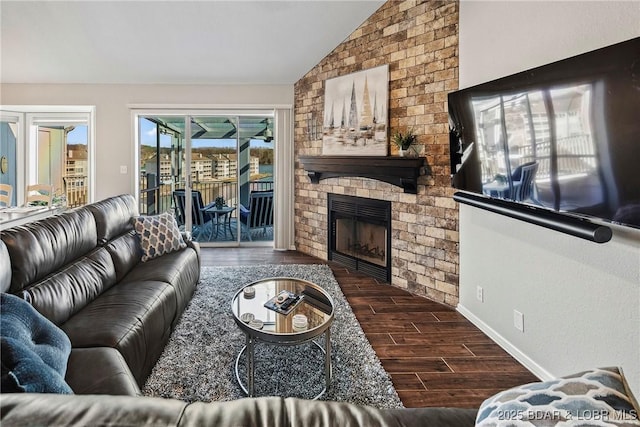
(356, 114)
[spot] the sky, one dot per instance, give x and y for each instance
(78, 135)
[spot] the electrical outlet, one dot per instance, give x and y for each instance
(123, 169)
(480, 293)
(518, 320)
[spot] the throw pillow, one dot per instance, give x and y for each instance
(159, 235)
(595, 397)
(34, 351)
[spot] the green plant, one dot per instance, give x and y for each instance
(219, 202)
(404, 140)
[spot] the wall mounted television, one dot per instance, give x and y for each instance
(562, 138)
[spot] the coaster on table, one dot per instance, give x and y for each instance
(299, 319)
(249, 292)
(256, 324)
(247, 317)
(299, 322)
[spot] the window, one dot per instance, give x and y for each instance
(51, 145)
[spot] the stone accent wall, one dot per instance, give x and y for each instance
(419, 41)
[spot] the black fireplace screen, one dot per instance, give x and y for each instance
(362, 240)
(359, 230)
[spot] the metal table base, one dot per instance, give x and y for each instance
(249, 390)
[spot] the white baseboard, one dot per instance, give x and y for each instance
(525, 360)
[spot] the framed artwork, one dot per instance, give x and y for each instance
(355, 121)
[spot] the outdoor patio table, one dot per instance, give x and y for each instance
(218, 212)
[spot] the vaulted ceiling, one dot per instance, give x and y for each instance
(172, 42)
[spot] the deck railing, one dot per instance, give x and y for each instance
(575, 154)
(76, 190)
(158, 198)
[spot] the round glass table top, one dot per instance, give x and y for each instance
(254, 318)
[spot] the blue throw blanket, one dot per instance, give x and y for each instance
(34, 351)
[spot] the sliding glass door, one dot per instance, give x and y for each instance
(161, 169)
(256, 189)
(205, 168)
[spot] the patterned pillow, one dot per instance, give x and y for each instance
(159, 235)
(597, 397)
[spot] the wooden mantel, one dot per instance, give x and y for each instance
(400, 171)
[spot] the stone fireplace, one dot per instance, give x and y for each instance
(419, 41)
(360, 234)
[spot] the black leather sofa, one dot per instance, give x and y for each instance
(66, 410)
(82, 270)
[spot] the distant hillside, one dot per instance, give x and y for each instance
(264, 154)
(77, 147)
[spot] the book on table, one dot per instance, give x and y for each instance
(284, 302)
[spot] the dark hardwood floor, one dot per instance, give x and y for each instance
(434, 355)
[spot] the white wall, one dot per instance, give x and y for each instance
(581, 300)
(114, 139)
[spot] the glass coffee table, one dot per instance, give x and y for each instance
(308, 317)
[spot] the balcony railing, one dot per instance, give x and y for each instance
(575, 155)
(76, 190)
(158, 198)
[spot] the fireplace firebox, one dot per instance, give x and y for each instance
(360, 234)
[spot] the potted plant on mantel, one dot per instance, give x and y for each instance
(403, 140)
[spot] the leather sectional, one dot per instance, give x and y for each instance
(82, 270)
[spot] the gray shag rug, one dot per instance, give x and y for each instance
(199, 360)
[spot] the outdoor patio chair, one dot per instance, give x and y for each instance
(260, 212)
(40, 194)
(6, 192)
(199, 218)
(524, 181)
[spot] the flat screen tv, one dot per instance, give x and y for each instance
(563, 137)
